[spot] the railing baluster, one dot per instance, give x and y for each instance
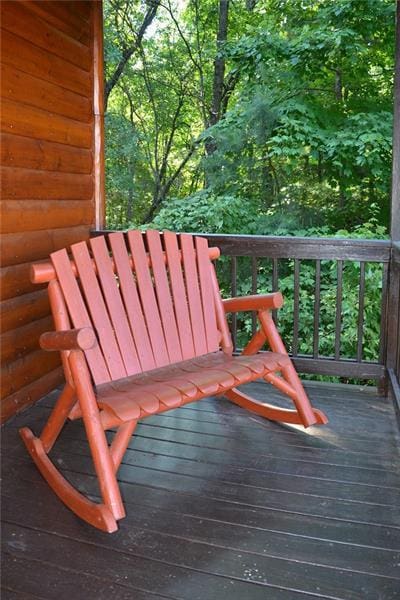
(296, 294)
(360, 319)
(317, 304)
(233, 293)
(254, 269)
(339, 299)
(275, 286)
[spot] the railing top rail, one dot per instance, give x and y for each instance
(271, 246)
(302, 247)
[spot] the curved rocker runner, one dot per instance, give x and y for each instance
(141, 327)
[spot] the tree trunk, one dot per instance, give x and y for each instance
(219, 70)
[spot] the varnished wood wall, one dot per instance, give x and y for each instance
(50, 171)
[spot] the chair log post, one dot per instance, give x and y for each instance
(102, 459)
(58, 417)
(300, 398)
(121, 441)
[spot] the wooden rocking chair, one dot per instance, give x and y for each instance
(141, 328)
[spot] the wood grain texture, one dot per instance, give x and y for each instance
(47, 175)
(30, 215)
(43, 94)
(22, 310)
(36, 61)
(15, 343)
(59, 14)
(20, 21)
(44, 185)
(28, 153)
(215, 509)
(42, 125)
(15, 281)
(28, 394)
(21, 247)
(25, 370)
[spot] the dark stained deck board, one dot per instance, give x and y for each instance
(219, 502)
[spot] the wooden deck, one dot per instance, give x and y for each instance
(221, 505)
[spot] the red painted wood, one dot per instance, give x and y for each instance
(115, 305)
(207, 296)
(78, 312)
(179, 294)
(193, 294)
(164, 296)
(222, 324)
(132, 302)
(97, 515)
(148, 298)
(97, 309)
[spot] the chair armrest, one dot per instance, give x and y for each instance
(71, 339)
(257, 302)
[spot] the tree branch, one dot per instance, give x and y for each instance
(128, 51)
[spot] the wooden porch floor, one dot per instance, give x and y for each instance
(221, 505)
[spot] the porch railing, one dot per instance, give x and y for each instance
(393, 340)
(334, 256)
(262, 263)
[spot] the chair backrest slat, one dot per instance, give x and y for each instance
(207, 294)
(193, 294)
(148, 298)
(98, 311)
(115, 305)
(152, 300)
(78, 312)
(179, 294)
(165, 304)
(132, 302)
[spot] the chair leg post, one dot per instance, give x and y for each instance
(121, 441)
(300, 398)
(100, 451)
(58, 417)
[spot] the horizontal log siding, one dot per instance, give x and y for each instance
(47, 174)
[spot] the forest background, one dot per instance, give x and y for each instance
(258, 117)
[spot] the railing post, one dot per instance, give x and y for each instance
(393, 326)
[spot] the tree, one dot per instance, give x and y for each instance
(285, 105)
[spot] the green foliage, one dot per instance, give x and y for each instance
(206, 212)
(307, 126)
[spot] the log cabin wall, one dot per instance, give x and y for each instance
(52, 173)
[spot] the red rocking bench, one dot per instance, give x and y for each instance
(141, 328)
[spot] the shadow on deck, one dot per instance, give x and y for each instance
(220, 503)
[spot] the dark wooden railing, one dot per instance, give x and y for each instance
(318, 250)
(393, 326)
